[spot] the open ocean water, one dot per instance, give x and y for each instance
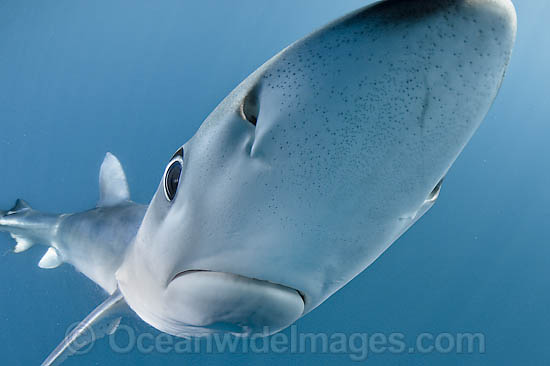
(137, 78)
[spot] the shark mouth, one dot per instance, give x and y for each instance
(190, 271)
(226, 302)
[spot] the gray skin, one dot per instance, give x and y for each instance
(304, 175)
(107, 232)
(93, 241)
(316, 163)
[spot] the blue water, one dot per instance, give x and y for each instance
(137, 78)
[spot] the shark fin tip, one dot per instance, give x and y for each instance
(20, 205)
(22, 243)
(113, 186)
(51, 259)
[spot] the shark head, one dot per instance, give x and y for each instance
(314, 165)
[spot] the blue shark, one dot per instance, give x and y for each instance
(298, 181)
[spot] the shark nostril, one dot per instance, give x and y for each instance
(252, 119)
(435, 192)
(250, 108)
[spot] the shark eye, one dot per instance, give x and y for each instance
(172, 176)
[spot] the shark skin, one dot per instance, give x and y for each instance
(299, 180)
(93, 241)
(317, 162)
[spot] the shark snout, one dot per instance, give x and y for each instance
(315, 164)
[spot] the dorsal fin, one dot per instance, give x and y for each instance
(102, 321)
(113, 187)
(20, 205)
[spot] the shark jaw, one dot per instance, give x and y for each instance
(191, 271)
(203, 302)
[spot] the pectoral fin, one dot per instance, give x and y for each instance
(52, 259)
(101, 322)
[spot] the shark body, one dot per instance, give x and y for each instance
(306, 173)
